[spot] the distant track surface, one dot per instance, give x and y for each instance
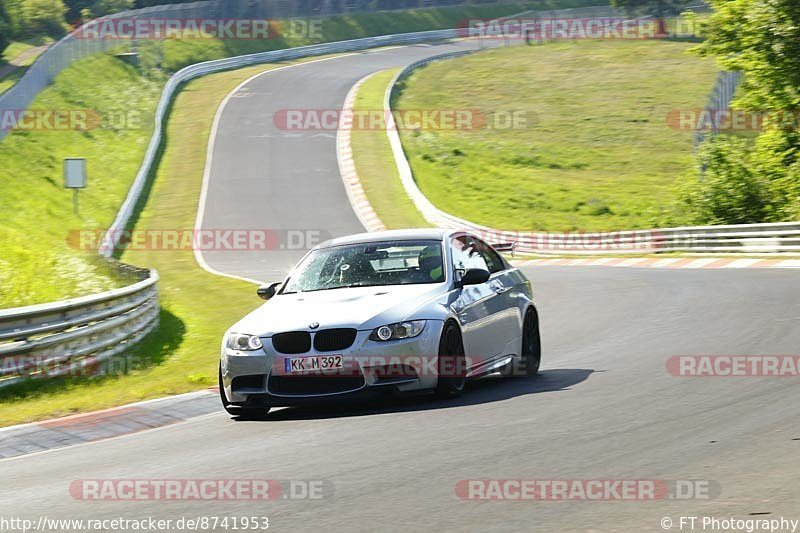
(604, 406)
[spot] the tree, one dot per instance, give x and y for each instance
(78, 10)
(101, 8)
(761, 38)
(13, 13)
(5, 27)
(75, 9)
(727, 191)
(43, 17)
(658, 8)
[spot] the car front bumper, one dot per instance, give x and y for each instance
(407, 365)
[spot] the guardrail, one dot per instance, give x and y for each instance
(74, 336)
(113, 234)
(720, 99)
(738, 238)
(72, 47)
(781, 237)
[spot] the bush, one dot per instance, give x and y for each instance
(5, 28)
(776, 159)
(725, 189)
(43, 17)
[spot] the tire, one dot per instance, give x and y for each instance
(531, 354)
(527, 364)
(238, 410)
(453, 366)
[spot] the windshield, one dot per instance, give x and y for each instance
(368, 265)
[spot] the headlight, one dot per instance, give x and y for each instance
(401, 330)
(245, 343)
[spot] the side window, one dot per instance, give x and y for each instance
(466, 254)
(491, 257)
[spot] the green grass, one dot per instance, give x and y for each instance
(17, 48)
(599, 155)
(374, 161)
(197, 307)
(176, 54)
(36, 264)
(11, 79)
(11, 53)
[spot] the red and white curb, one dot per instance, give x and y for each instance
(667, 262)
(347, 167)
(369, 218)
(105, 424)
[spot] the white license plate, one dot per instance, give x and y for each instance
(310, 364)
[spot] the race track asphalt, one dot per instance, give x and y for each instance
(604, 406)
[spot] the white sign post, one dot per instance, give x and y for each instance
(75, 178)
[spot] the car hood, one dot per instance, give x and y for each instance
(358, 307)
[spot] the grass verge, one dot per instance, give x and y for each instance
(197, 307)
(36, 263)
(374, 161)
(15, 60)
(598, 154)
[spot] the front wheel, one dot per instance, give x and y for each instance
(238, 410)
(451, 363)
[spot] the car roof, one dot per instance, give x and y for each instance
(437, 234)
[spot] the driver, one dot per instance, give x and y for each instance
(430, 263)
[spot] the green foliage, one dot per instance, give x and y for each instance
(36, 263)
(83, 9)
(776, 159)
(651, 7)
(595, 152)
(761, 38)
(727, 191)
(5, 27)
(43, 17)
(12, 10)
(759, 181)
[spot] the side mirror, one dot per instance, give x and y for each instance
(268, 290)
(475, 276)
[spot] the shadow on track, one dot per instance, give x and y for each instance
(485, 390)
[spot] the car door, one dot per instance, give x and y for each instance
(480, 308)
(505, 282)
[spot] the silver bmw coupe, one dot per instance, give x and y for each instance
(393, 311)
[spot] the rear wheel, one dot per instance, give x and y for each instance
(527, 364)
(239, 410)
(531, 344)
(451, 363)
